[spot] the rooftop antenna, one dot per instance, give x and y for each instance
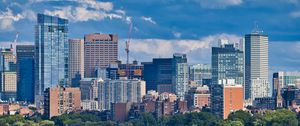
(127, 42)
(256, 28)
(14, 43)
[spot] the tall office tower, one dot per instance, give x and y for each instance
(227, 63)
(51, 54)
(60, 100)
(229, 97)
(282, 80)
(158, 74)
(25, 72)
(89, 88)
(120, 91)
(200, 73)
(8, 74)
(180, 74)
(76, 60)
(99, 51)
(256, 59)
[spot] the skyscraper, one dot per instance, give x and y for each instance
(227, 63)
(51, 54)
(256, 59)
(76, 59)
(99, 51)
(180, 74)
(25, 72)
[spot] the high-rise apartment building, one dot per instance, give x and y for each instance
(259, 89)
(227, 97)
(60, 100)
(180, 75)
(256, 59)
(76, 60)
(51, 54)
(120, 91)
(25, 72)
(200, 73)
(8, 86)
(227, 63)
(8, 74)
(99, 51)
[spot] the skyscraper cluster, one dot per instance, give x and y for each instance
(61, 75)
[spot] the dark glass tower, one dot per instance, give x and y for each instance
(51, 54)
(25, 72)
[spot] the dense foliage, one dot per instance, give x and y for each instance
(238, 118)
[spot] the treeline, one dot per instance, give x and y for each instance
(240, 118)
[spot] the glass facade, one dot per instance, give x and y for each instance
(200, 72)
(227, 63)
(25, 71)
(180, 75)
(51, 53)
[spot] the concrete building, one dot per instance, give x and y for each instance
(89, 105)
(120, 91)
(256, 59)
(99, 51)
(227, 97)
(51, 54)
(180, 75)
(8, 86)
(200, 73)
(259, 89)
(89, 88)
(198, 97)
(76, 60)
(281, 80)
(60, 100)
(120, 111)
(8, 71)
(25, 72)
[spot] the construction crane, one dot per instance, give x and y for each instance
(14, 43)
(127, 43)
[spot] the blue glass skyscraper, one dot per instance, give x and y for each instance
(25, 71)
(51, 54)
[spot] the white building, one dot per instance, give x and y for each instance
(259, 88)
(90, 105)
(256, 59)
(120, 91)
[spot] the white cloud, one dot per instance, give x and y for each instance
(106, 6)
(295, 14)
(148, 19)
(7, 19)
(176, 34)
(218, 4)
(197, 50)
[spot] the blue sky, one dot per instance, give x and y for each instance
(162, 27)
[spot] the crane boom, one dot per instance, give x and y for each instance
(127, 43)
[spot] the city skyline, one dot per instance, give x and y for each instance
(193, 30)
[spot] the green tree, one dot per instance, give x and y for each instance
(244, 117)
(280, 117)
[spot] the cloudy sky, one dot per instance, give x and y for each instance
(162, 27)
